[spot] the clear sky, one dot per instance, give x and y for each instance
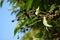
(6, 26)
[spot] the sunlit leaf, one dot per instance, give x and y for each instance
(45, 22)
(37, 11)
(29, 4)
(53, 6)
(12, 8)
(16, 28)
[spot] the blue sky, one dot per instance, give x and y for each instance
(6, 26)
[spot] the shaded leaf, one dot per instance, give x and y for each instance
(30, 35)
(1, 3)
(19, 14)
(19, 25)
(42, 38)
(32, 20)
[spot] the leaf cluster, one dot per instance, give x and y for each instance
(42, 16)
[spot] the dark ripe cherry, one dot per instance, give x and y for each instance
(23, 31)
(27, 29)
(12, 20)
(18, 19)
(18, 37)
(21, 28)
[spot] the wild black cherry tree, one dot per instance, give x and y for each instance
(41, 16)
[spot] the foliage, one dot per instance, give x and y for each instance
(1, 3)
(42, 16)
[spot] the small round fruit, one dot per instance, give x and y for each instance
(27, 29)
(21, 28)
(12, 20)
(17, 19)
(18, 37)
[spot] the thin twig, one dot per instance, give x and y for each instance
(34, 23)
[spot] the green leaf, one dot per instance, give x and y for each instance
(12, 8)
(32, 20)
(37, 11)
(42, 38)
(57, 22)
(19, 25)
(36, 3)
(39, 35)
(16, 28)
(1, 3)
(19, 14)
(12, 1)
(27, 21)
(45, 22)
(28, 4)
(53, 6)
